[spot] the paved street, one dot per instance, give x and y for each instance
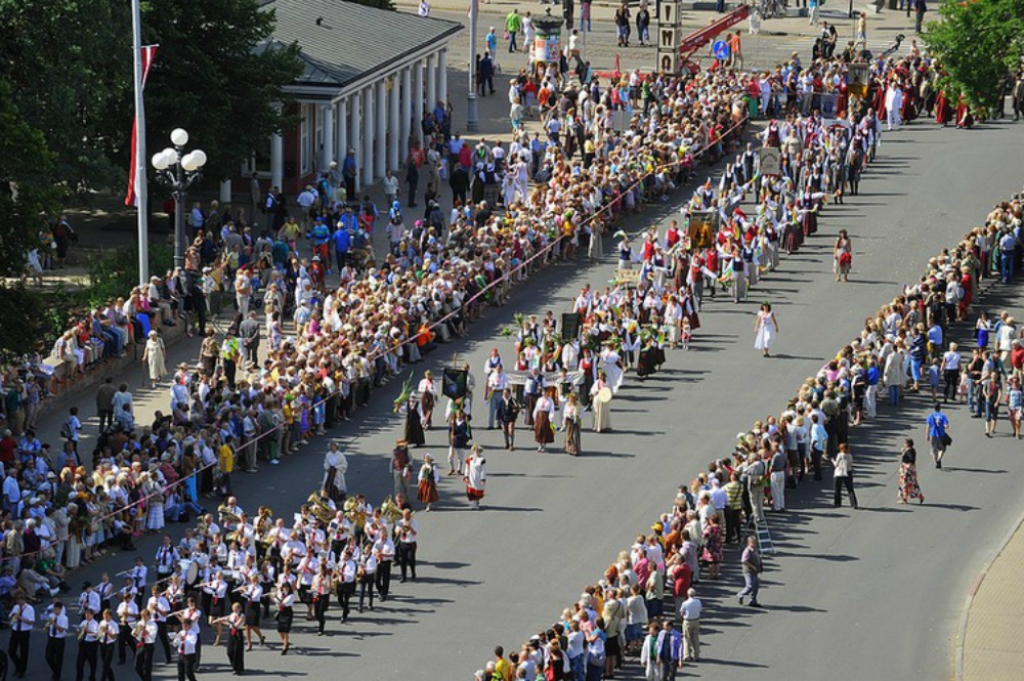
(872, 594)
(552, 523)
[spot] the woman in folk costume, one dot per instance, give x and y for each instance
(588, 366)
(155, 356)
(427, 480)
(413, 425)
(571, 422)
(428, 392)
(611, 365)
(943, 109)
(964, 117)
(335, 466)
(475, 477)
(458, 437)
(543, 431)
(765, 329)
(602, 412)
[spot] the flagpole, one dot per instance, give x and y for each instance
(141, 190)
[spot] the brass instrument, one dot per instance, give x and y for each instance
(358, 518)
(390, 510)
(320, 509)
(226, 516)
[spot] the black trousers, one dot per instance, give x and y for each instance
(17, 648)
(144, 662)
(165, 640)
(345, 593)
(187, 667)
(125, 642)
(407, 559)
(106, 661)
(88, 652)
(838, 483)
(320, 605)
(384, 579)
(732, 524)
(366, 585)
(55, 655)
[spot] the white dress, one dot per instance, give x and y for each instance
(765, 331)
(611, 368)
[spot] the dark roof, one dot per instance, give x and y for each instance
(352, 40)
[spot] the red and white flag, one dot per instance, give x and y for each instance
(148, 55)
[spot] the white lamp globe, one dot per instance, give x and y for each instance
(179, 137)
(199, 156)
(171, 156)
(189, 162)
(159, 162)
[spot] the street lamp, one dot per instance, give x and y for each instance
(179, 170)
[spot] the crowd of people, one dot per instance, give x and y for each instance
(341, 323)
(905, 348)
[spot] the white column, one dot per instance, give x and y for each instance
(356, 134)
(405, 113)
(442, 75)
(431, 82)
(380, 159)
(327, 111)
(225, 192)
(394, 127)
(368, 134)
(342, 147)
(417, 100)
(276, 160)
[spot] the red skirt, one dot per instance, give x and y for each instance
(428, 492)
(474, 494)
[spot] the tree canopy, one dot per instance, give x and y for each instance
(209, 79)
(978, 44)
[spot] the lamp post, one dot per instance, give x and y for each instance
(472, 114)
(179, 170)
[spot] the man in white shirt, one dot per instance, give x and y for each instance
(186, 642)
(56, 632)
(689, 613)
(127, 614)
(23, 619)
(161, 607)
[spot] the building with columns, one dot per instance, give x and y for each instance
(369, 76)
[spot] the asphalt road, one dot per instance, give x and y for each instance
(874, 594)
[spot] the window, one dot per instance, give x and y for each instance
(304, 155)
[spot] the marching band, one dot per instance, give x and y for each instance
(228, 573)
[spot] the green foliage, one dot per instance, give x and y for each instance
(978, 44)
(23, 312)
(208, 79)
(25, 189)
(68, 62)
(113, 274)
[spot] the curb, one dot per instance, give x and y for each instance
(972, 591)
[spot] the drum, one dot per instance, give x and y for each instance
(189, 571)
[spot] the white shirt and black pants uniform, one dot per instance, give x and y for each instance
(346, 587)
(88, 650)
(186, 641)
(161, 609)
(23, 617)
(109, 635)
(56, 634)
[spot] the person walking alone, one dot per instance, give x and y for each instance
(513, 23)
(909, 488)
(937, 427)
(750, 561)
(843, 476)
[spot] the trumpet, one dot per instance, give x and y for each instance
(390, 510)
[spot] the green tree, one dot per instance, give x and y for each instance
(978, 44)
(212, 78)
(26, 193)
(69, 65)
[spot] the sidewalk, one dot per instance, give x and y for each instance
(991, 646)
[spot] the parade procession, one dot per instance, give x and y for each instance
(509, 342)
